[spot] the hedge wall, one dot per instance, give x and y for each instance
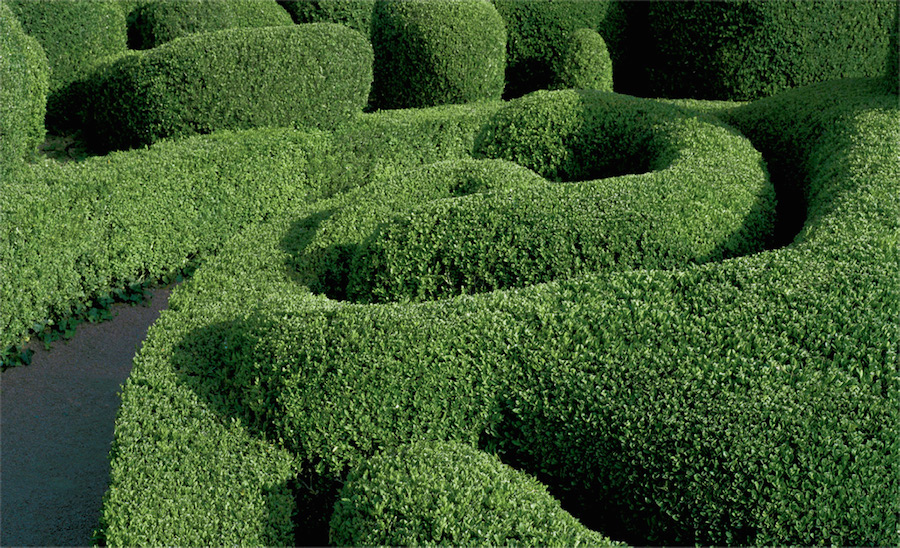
(453, 495)
(156, 22)
(315, 75)
(748, 401)
(432, 53)
(25, 73)
(356, 14)
(539, 33)
(754, 49)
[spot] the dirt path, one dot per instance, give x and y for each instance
(56, 426)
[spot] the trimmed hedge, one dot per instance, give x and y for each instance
(585, 63)
(356, 14)
(315, 75)
(452, 494)
(708, 198)
(892, 61)
(74, 232)
(756, 49)
(748, 401)
(156, 22)
(432, 53)
(25, 73)
(539, 34)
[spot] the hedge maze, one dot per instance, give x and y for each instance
(479, 273)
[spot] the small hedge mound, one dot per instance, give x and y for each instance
(312, 75)
(431, 53)
(356, 14)
(24, 73)
(585, 63)
(540, 33)
(156, 22)
(755, 49)
(452, 495)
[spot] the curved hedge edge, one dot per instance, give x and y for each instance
(25, 73)
(159, 21)
(209, 81)
(356, 14)
(452, 494)
(79, 231)
(585, 63)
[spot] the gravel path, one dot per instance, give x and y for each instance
(56, 426)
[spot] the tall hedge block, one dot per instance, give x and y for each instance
(429, 53)
(24, 77)
(539, 35)
(160, 21)
(754, 49)
(356, 14)
(303, 75)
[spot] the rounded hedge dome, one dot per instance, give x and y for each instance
(433, 53)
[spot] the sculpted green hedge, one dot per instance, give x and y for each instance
(23, 96)
(747, 401)
(455, 495)
(432, 53)
(312, 75)
(754, 49)
(159, 21)
(356, 14)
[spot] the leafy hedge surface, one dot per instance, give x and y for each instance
(751, 400)
(23, 95)
(356, 14)
(585, 63)
(314, 75)
(539, 34)
(452, 494)
(433, 53)
(755, 49)
(893, 55)
(708, 198)
(76, 231)
(159, 21)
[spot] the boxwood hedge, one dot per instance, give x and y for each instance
(25, 73)
(433, 53)
(156, 22)
(452, 495)
(314, 75)
(356, 14)
(755, 49)
(747, 401)
(585, 63)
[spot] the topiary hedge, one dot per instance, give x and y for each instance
(432, 53)
(585, 63)
(315, 75)
(747, 401)
(539, 35)
(156, 22)
(893, 55)
(452, 494)
(755, 49)
(708, 198)
(356, 14)
(24, 72)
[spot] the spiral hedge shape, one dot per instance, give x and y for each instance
(742, 401)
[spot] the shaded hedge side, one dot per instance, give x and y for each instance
(756, 49)
(356, 14)
(314, 75)
(156, 22)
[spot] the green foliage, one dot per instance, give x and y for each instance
(159, 21)
(585, 63)
(430, 53)
(755, 49)
(747, 401)
(892, 61)
(540, 32)
(23, 94)
(356, 14)
(452, 495)
(315, 75)
(81, 230)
